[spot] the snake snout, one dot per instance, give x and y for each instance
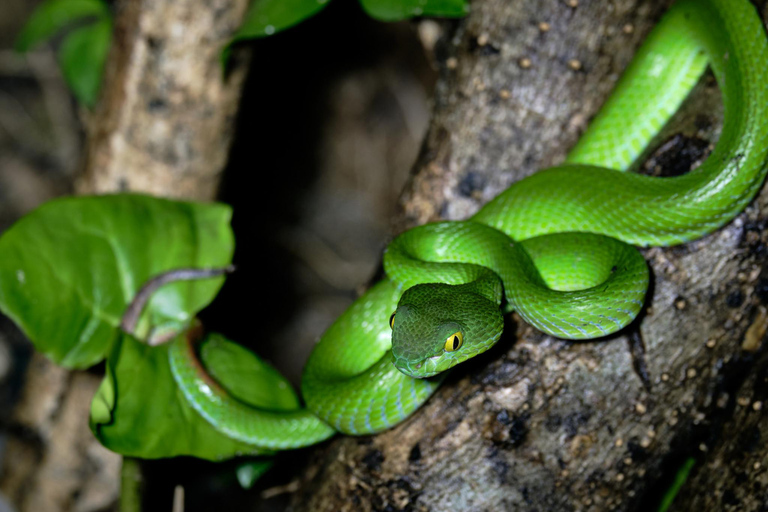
(418, 368)
(410, 369)
(403, 365)
(407, 362)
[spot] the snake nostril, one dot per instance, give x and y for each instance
(418, 366)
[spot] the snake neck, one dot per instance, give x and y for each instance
(472, 257)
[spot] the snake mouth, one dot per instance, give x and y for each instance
(419, 369)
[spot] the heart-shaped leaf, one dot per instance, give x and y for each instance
(140, 411)
(69, 269)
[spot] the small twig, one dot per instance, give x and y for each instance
(178, 499)
(131, 485)
(132, 314)
(280, 489)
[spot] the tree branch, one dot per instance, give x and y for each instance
(163, 126)
(540, 423)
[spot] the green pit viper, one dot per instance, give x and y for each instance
(556, 247)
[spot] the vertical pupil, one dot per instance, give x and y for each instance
(392, 321)
(455, 342)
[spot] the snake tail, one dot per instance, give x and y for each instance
(270, 429)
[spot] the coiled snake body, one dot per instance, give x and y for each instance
(555, 247)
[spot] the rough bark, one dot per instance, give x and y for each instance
(543, 424)
(732, 476)
(53, 461)
(163, 126)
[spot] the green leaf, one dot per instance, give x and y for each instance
(82, 56)
(69, 269)
(250, 471)
(680, 478)
(394, 10)
(267, 17)
(246, 376)
(52, 16)
(139, 411)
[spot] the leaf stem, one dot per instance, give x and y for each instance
(674, 489)
(131, 485)
(133, 312)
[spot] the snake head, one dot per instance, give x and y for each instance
(437, 326)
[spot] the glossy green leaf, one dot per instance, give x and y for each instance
(82, 56)
(394, 10)
(139, 411)
(69, 269)
(246, 376)
(52, 16)
(267, 17)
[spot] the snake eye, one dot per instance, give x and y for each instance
(454, 341)
(392, 321)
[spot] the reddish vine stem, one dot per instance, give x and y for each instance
(133, 312)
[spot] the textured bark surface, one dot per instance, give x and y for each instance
(163, 126)
(53, 462)
(165, 122)
(543, 424)
(733, 474)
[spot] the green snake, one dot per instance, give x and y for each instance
(556, 247)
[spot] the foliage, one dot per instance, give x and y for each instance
(680, 478)
(87, 28)
(67, 273)
(138, 410)
(394, 10)
(69, 269)
(267, 17)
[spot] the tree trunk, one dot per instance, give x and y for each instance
(163, 126)
(166, 120)
(544, 424)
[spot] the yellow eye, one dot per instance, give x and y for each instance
(454, 342)
(392, 321)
